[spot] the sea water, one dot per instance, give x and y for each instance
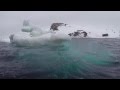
(85, 58)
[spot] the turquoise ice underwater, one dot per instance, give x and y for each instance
(78, 59)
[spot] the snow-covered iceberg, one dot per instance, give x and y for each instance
(32, 35)
(58, 32)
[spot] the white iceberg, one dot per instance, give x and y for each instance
(32, 35)
(59, 32)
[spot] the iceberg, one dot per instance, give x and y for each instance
(32, 35)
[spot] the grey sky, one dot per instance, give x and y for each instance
(11, 21)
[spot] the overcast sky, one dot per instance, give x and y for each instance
(11, 21)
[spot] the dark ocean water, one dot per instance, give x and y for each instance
(76, 59)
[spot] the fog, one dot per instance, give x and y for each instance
(11, 21)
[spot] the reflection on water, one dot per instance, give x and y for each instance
(78, 59)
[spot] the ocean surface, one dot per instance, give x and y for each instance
(76, 59)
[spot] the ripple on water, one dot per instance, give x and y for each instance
(78, 59)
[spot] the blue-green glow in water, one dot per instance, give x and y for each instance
(75, 59)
